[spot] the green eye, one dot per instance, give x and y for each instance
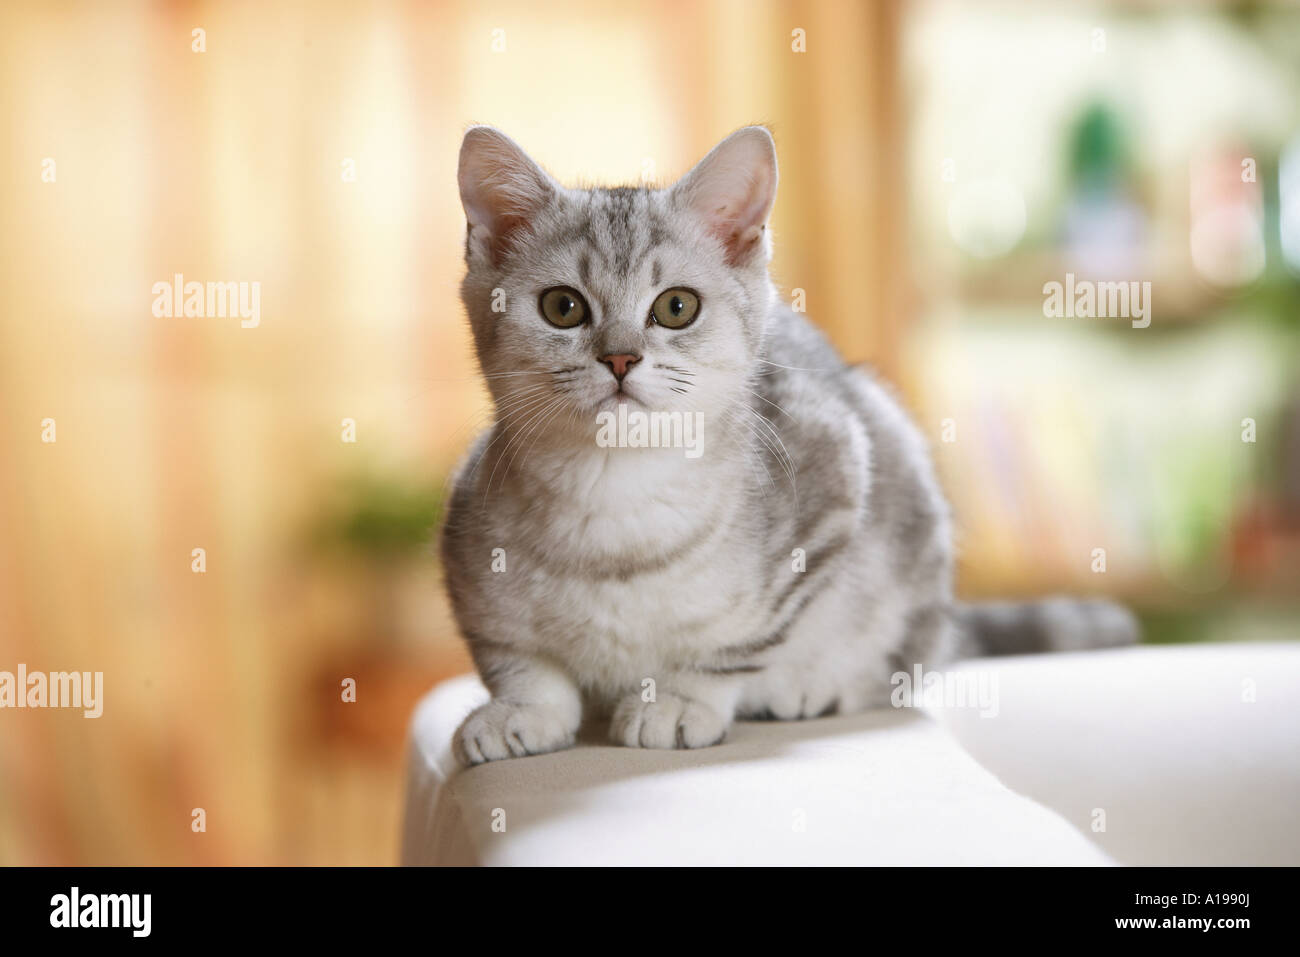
(675, 308)
(563, 307)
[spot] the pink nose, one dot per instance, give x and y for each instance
(620, 363)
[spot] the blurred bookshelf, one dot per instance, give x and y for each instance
(1175, 448)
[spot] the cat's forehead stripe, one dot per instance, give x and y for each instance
(624, 227)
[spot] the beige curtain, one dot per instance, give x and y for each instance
(175, 434)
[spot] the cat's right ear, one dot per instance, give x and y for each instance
(502, 191)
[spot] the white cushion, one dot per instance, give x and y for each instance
(1192, 752)
(1160, 739)
(888, 787)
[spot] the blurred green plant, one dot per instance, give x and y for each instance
(1098, 151)
(379, 517)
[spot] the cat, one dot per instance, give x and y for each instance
(786, 572)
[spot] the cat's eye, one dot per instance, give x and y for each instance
(563, 307)
(675, 308)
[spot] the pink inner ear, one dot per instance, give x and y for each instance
(733, 189)
(501, 189)
(739, 226)
(502, 207)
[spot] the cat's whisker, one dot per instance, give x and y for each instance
(536, 429)
(793, 368)
(759, 395)
(765, 442)
(515, 398)
(783, 455)
(510, 399)
(678, 369)
(504, 420)
(771, 450)
(426, 384)
(547, 403)
(539, 372)
(751, 454)
(539, 428)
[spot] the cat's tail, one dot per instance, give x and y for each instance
(1050, 624)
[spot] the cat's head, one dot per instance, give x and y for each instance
(584, 298)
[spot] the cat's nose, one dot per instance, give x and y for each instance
(620, 363)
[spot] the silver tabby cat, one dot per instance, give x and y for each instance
(785, 570)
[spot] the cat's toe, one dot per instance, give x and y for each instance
(797, 704)
(669, 722)
(502, 730)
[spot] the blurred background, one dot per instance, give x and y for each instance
(940, 163)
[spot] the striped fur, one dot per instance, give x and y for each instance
(787, 572)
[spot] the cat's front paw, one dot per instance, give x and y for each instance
(501, 729)
(670, 722)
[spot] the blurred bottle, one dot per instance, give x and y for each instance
(1227, 216)
(1105, 226)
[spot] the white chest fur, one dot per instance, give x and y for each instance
(629, 563)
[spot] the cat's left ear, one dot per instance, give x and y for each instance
(733, 189)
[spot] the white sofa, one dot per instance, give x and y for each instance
(1148, 755)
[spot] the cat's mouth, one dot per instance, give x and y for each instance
(620, 395)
